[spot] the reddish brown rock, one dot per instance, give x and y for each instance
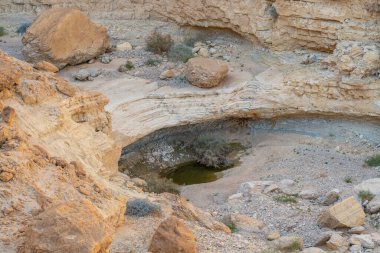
(205, 72)
(173, 236)
(63, 37)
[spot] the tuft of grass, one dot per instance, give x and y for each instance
(373, 161)
(160, 185)
(158, 43)
(232, 227)
(2, 31)
(286, 199)
(294, 246)
(180, 53)
(365, 195)
(348, 180)
(126, 67)
(152, 62)
(22, 28)
(141, 208)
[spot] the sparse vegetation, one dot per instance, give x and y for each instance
(22, 28)
(180, 52)
(126, 67)
(294, 246)
(348, 180)
(227, 221)
(152, 62)
(270, 251)
(286, 199)
(141, 207)
(159, 43)
(373, 161)
(2, 31)
(193, 37)
(159, 185)
(365, 195)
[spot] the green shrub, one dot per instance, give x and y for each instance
(160, 185)
(2, 31)
(126, 67)
(22, 28)
(373, 161)
(286, 199)
(158, 43)
(180, 52)
(152, 62)
(294, 246)
(141, 207)
(365, 195)
(348, 180)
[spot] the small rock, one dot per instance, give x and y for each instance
(273, 235)
(46, 66)
(195, 50)
(335, 242)
(371, 185)
(323, 238)
(173, 236)
(365, 241)
(167, 74)
(87, 74)
(331, 197)
(289, 242)
(357, 230)
(313, 250)
(212, 51)
(203, 52)
(250, 187)
(6, 176)
(248, 224)
(139, 182)
(105, 59)
(356, 249)
(374, 204)
(311, 58)
(126, 46)
(309, 194)
(83, 189)
(235, 196)
(91, 61)
(205, 72)
(346, 214)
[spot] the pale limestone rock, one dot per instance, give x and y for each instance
(357, 230)
(205, 72)
(313, 250)
(126, 46)
(364, 240)
(348, 213)
(273, 235)
(335, 242)
(64, 37)
(371, 185)
(173, 236)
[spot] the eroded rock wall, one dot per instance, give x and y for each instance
(48, 159)
(279, 24)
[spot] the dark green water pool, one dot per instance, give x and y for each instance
(194, 173)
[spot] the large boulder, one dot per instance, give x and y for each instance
(346, 214)
(63, 37)
(173, 236)
(205, 72)
(74, 226)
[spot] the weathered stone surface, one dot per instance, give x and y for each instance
(205, 73)
(274, 235)
(173, 236)
(46, 66)
(74, 226)
(63, 37)
(248, 224)
(313, 250)
(331, 197)
(374, 204)
(348, 213)
(363, 240)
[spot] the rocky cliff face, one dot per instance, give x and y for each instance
(279, 24)
(56, 157)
